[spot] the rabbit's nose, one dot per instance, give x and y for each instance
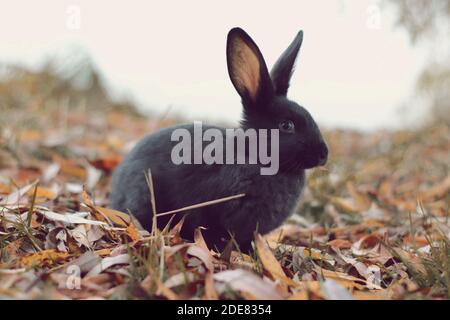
(323, 154)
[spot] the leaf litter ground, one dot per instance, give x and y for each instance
(373, 224)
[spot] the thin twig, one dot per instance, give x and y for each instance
(203, 204)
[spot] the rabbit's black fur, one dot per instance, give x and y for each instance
(269, 199)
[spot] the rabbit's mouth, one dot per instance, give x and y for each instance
(316, 159)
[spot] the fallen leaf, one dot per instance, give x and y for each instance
(270, 263)
(117, 217)
(108, 262)
(48, 257)
(340, 243)
(242, 280)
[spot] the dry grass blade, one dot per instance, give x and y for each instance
(201, 205)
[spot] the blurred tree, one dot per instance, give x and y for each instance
(429, 21)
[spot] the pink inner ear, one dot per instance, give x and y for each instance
(245, 68)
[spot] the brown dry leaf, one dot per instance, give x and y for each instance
(47, 257)
(87, 198)
(174, 233)
(240, 260)
(107, 163)
(70, 168)
(199, 240)
(4, 188)
(314, 254)
(300, 295)
(412, 260)
(270, 263)
(343, 279)
(370, 295)
(119, 218)
(368, 241)
(42, 192)
(419, 241)
(133, 232)
(103, 252)
(340, 243)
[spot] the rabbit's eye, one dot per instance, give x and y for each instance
(287, 126)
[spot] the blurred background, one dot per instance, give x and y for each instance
(364, 65)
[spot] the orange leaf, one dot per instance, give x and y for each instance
(270, 263)
(42, 192)
(133, 232)
(5, 189)
(107, 164)
(70, 168)
(119, 218)
(340, 244)
(347, 281)
(47, 257)
(420, 241)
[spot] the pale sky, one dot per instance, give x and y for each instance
(354, 69)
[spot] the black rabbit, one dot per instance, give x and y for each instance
(269, 199)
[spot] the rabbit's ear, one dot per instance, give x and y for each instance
(282, 71)
(247, 69)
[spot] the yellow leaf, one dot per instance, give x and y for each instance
(132, 232)
(103, 252)
(370, 295)
(42, 192)
(301, 295)
(49, 257)
(270, 263)
(70, 168)
(119, 218)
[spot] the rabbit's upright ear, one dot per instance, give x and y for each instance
(247, 69)
(282, 71)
